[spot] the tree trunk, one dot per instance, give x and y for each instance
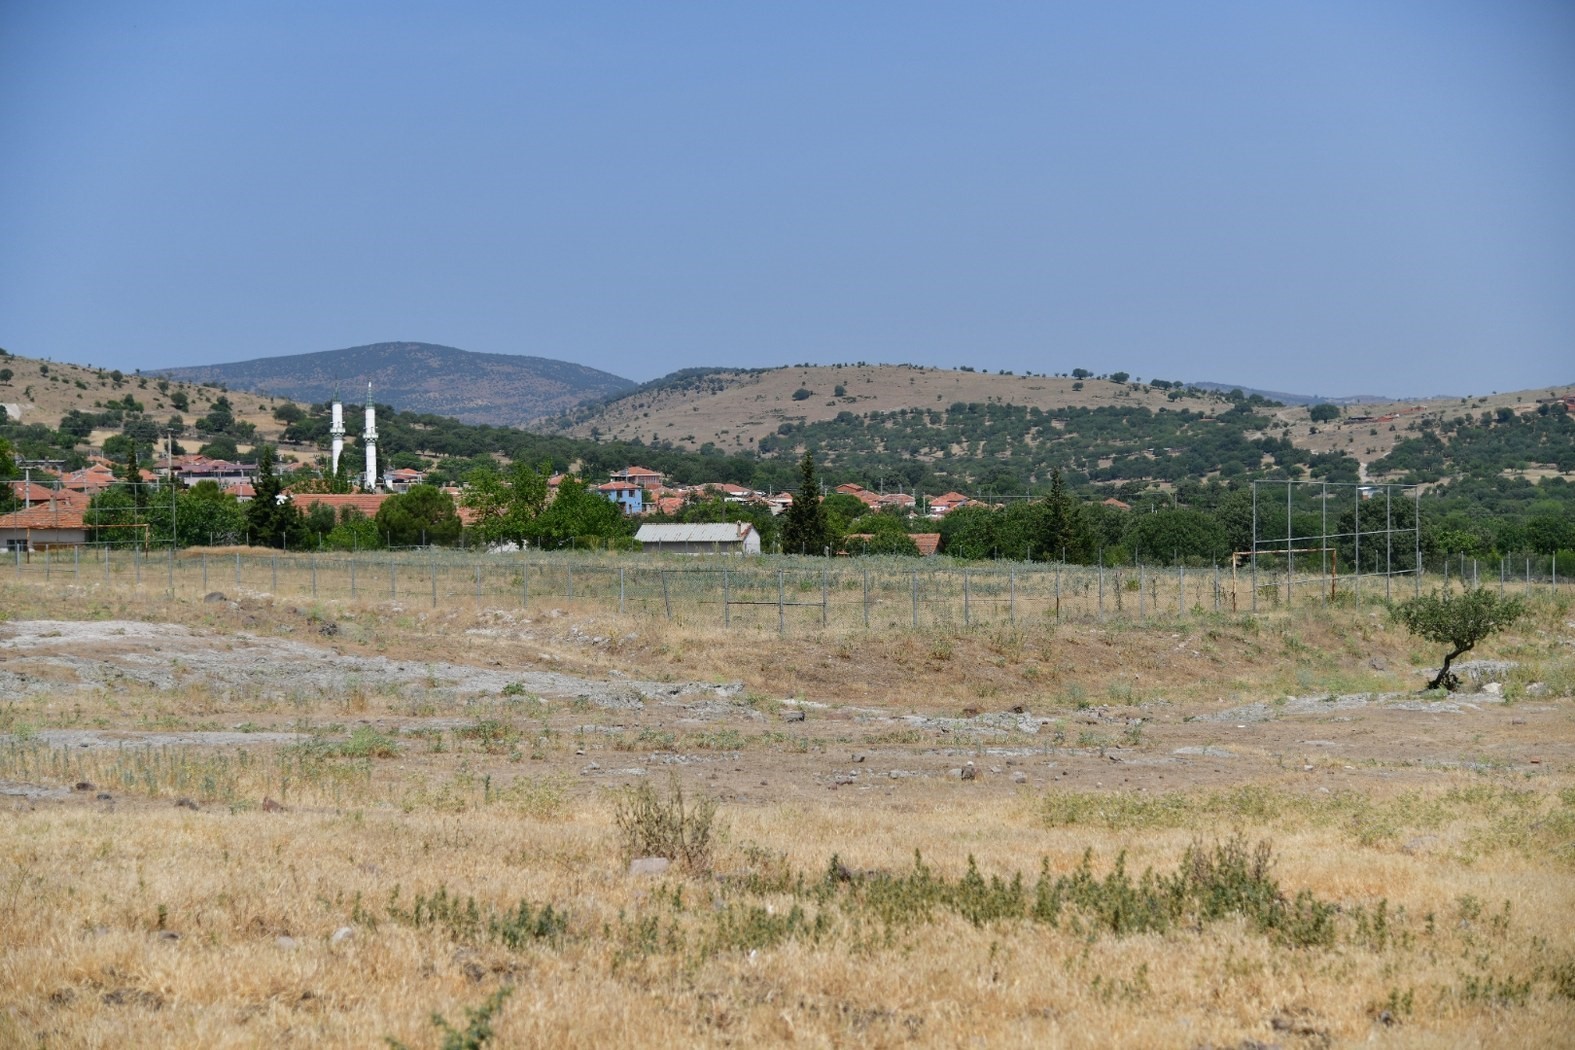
(1444, 678)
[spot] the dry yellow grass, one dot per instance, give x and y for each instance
(132, 921)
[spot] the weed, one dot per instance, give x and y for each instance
(653, 825)
(478, 1027)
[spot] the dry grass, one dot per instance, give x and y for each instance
(1439, 856)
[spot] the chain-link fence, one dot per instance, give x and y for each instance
(772, 594)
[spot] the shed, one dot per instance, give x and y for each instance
(728, 537)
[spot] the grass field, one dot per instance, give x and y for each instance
(276, 821)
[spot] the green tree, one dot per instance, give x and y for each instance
(1459, 621)
(423, 515)
(1170, 534)
(1323, 412)
(578, 513)
(805, 529)
(505, 505)
(271, 518)
(8, 500)
(355, 531)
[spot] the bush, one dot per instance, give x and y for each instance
(653, 825)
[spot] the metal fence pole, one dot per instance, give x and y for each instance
(667, 598)
(781, 605)
(1181, 590)
(172, 572)
(432, 568)
(352, 577)
(478, 587)
(1011, 607)
(620, 591)
(569, 576)
(393, 579)
(76, 562)
(237, 568)
(915, 592)
(727, 600)
(1142, 586)
(1058, 592)
(966, 613)
(1101, 586)
(825, 595)
(866, 598)
(205, 576)
(311, 560)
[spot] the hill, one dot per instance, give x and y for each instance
(498, 389)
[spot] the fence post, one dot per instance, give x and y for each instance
(432, 568)
(237, 568)
(1142, 586)
(478, 587)
(1058, 592)
(825, 591)
(1101, 586)
(620, 590)
(106, 564)
(393, 579)
(172, 572)
(1528, 574)
(274, 560)
(1181, 589)
(667, 598)
(569, 574)
(352, 577)
(915, 599)
(781, 607)
(727, 597)
(205, 576)
(310, 558)
(866, 598)
(524, 583)
(1011, 606)
(966, 616)
(76, 562)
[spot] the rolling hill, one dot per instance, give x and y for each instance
(498, 389)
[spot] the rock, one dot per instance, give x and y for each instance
(186, 803)
(1019, 777)
(1537, 689)
(286, 943)
(215, 596)
(342, 934)
(1378, 663)
(85, 785)
(104, 796)
(793, 716)
(169, 935)
(270, 806)
(649, 866)
(329, 629)
(1018, 709)
(968, 772)
(1493, 688)
(970, 712)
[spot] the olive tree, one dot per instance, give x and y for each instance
(1459, 621)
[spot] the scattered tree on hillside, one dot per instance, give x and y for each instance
(1459, 621)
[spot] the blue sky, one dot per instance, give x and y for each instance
(1331, 197)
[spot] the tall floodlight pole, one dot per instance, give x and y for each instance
(369, 438)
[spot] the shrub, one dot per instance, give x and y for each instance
(654, 825)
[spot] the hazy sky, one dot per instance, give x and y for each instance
(1327, 196)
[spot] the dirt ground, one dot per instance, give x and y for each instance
(746, 747)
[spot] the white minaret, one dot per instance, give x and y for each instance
(369, 438)
(337, 431)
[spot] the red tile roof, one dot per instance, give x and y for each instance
(58, 515)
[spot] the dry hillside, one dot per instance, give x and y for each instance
(735, 410)
(42, 391)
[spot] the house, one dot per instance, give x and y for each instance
(644, 477)
(728, 537)
(1115, 504)
(779, 503)
(403, 479)
(45, 524)
(630, 498)
(943, 505)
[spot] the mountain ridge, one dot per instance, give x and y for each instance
(500, 389)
